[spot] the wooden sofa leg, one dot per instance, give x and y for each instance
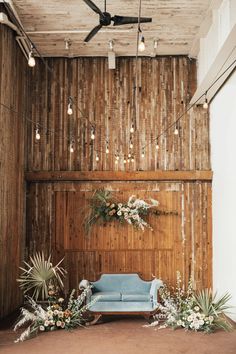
(94, 321)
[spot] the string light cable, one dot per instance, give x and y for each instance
(38, 125)
(152, 140)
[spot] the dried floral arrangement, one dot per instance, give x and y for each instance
(58, 314)
(192, 310)
(105, 208)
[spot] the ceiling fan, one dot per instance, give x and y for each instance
(105, 19)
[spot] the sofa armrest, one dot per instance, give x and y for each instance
(155, 286)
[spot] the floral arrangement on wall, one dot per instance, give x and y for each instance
(104, 207)
(192, 310)
(58, 314)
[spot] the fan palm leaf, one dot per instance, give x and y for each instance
(211, 306)
(39, 274)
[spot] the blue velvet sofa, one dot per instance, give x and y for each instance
(124, 294)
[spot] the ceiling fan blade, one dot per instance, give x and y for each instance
(94, 7)
(123, 20)
(92, 33)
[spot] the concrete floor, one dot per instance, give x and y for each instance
(118, 336)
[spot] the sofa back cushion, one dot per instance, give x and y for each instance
(121, 283)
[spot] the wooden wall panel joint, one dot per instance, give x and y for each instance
(44, 176)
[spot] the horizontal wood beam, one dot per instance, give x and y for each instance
(57, 176)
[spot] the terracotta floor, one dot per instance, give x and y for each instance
(118, 336)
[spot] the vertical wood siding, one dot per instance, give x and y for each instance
(55, 211)
(13, 92)
(105, 99)
(179, 242)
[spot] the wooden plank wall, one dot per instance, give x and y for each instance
(13, 88)
(105, 98)
(179, 242)
(55, 210)
(54, 213)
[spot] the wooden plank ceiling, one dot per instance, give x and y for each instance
(175, 24)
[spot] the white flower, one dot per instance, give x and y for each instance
(68, 320)
(46, 323)
(50, 313)
(201, 322)
(179, 323)
(41, 328)
(60, 299)
(120, 205)
(119, 213)
(171, 318)
(55, 312)
(62, 324)
(196, 308)
(58, 323)
(61, 314)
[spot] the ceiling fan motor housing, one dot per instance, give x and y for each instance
(106, 19)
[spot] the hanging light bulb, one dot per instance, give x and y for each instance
(67, 44)
(117, 156)
(205, 104)
(131, 145)
(107, 147)
(155, 43)
(125, 161)
(37, 134)
(116, 162)
(157, 146)
(92, 134)
(176, 132)
(141, 46)
(132, 159)
(69, 108)
(31, 59)
(129, 155)
(143, 153)
(128, 160)
(71, 148)
(132, 128)
(97, 158)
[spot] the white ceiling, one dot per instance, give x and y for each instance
(175, 23)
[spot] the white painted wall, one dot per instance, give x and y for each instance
(223, 145)
(223, 20)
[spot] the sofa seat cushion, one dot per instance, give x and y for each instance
(136, 297)
(123, 307)
(107, 296)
